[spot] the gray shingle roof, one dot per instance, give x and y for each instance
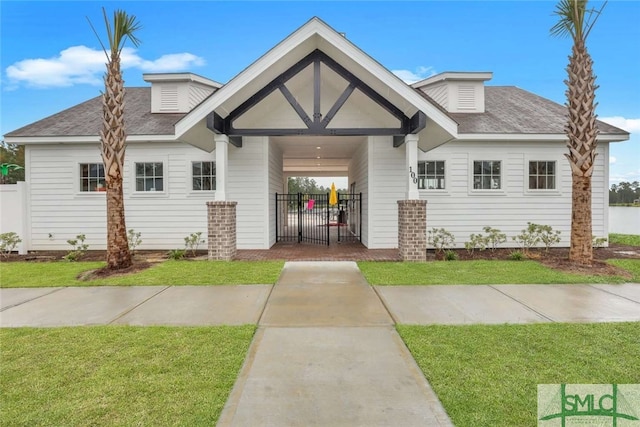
(85, 119)
(509, 109)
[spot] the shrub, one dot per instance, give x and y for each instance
(548, 236)
(440, 238)
(192, 241)
(450, 256)
(528, 238)
(79, 247)
(598, 242)
(476, 241)
(516, 256)
(536, 233)
(494, 238)
(134, 240)
(9, 242)
(176, 254)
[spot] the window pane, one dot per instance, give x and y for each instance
(477, 182)
(197, 184)
(213, 169)
(477, 168)
(440, 168)
(421, 184)
(542, 182)
(551, 168)
(158, 169)
(495, 168)
(140, 184)
(207, 183)
(495, 183)
(431, 168)
(422, 168)
(486, 168)
(84, 170)
(532, 183)
(551, 182)
(206, 168)
(148, 184)
(84, 185)
(533, 168)
(197, 168)
(139, 169)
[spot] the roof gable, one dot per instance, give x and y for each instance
(314, 35)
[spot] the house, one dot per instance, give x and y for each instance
(208, 157)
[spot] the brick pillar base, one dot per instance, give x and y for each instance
(412, 230)
(221, 218)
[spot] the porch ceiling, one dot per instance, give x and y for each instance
(302, 155)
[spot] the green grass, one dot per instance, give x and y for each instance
(119, 375)
(631, 265)
(625, 239)
(175, 273)
(488, 375)
(42, 274)
(479, 272)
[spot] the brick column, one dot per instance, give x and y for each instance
(412, 230)
(221, 219)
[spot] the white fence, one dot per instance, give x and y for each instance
(13, 208)
(624, 219)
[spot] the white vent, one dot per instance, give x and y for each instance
(466, 97)
(169, 98)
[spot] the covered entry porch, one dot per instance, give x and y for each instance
(314, 86)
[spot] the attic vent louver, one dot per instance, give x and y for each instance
(466, 97)
(169, 98)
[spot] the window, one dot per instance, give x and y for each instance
(542, 175)
(486, 175)
(92, 177)
(431, 175)
(149, 177)
(203, 176)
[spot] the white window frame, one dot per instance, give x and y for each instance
(191, 191)
(77, 180)
(165, 177)
(542, 192)
(446, 176)
(488, 191)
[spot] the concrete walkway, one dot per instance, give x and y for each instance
(326, 351)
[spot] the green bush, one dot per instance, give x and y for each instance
(9, 242)
(79, 247)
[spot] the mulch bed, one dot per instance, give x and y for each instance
(556, 258)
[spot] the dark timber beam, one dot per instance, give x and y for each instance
(398, 140)
(236, 141)
(317, 125)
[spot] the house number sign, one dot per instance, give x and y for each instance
(413, 175)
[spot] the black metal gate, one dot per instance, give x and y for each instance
(309, 218)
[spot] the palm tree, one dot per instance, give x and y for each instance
(113, 136)
(577, 22)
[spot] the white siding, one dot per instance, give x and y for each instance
(249, 186)
(387, 185)
(439, 93)
(276, 185)
(59, 211)
(463, 211)
(358, 173)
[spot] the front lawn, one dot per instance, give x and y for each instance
(487, 375)
(119, 375)
(479, 272)
(631, 265)
(625, 239)
(174, 273)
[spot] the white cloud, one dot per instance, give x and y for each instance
(630, 125)
(83, 65)
(418, 74)
(612, 160)
(616, 178)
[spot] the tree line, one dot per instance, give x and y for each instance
(306, 185)
(624, 193)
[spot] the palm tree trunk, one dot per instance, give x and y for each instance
(113, 147)
(581, 250)
(582, 132)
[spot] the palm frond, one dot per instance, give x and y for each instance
(575, 19)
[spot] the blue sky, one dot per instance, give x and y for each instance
(51, 60)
